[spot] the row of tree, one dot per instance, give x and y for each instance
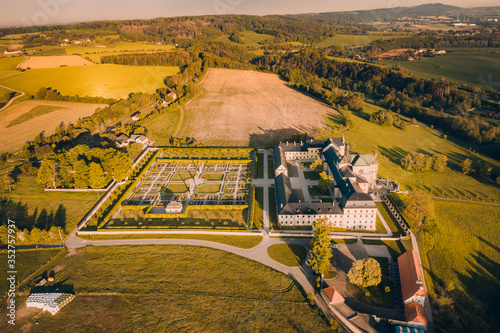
(422, 162)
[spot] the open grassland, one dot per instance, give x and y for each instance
(244, 242)
(351, 40)
(251, 38)
(239, 108)
(106, 80)
(162, 128)
(28, 193)
(23, 121)
(8, 65)
(27, 262)
(473, 67)
(54, 61)
(288, 254)
(392, 144)
(173, 288)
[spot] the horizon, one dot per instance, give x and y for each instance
(26, 13)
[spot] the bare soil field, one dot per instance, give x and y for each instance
(238, 108)
(55, 61)
(14, 137)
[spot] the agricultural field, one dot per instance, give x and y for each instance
(54, 62)
(368, 137)
(23, 121)
(352, 40)
(472, 67)
(28, 196)
(163, 127)
(145, 299)
(8, 65)
(241, 108)
(105, 80)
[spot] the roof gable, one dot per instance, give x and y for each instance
(410, 275)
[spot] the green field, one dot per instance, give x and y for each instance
(110, 81)
(259, 166)
(377, 296)
(259, 208)
(472, 67)
(27, 262)
(372, 138)
(174, 288)
(33, 113)
(273, 214)
(160, 129)
(351, 40)
(8, 65)
(28, 192)
(288, 254)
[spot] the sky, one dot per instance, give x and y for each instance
(48, 12)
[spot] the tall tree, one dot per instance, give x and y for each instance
(9, 180)
(321, 247)
(419, 205)
(97, 178)
(47, 174)
(324, 182)
(365, 273)
(466, 166)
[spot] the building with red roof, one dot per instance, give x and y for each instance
(332, 295)
(412, 280)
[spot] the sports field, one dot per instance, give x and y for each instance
(54, 61)
(23, 121)
(238, 108)
(474, 67)
(106, 80)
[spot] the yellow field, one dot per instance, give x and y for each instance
(55, 61)
(14, 137)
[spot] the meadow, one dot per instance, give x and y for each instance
(351, 40)
(473, 67)
(106, 80)
(8, 65)
(288, 254)
(391, 144)
(28, 193)
(204, 290)
(247, 38)
(24, 120)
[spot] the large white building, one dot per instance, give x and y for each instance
(353, 176)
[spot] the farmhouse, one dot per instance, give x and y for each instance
(353, 176)
(122, 140)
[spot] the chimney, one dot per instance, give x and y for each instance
(281, 205)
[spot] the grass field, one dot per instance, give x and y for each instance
(27, 262)
(259, 166)
(8, 65)
(372, 138)
(241, 108)
(351, 40)
(270, 167)
(377, 296)
(163, 127)
(23, 121)
(288, 254)
(472, 67)
(259, 208)
(204, 290)
(106, 80)
(273, 214)
(54, 62)
(244, 242)
(29, 193)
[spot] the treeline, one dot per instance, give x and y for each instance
(422, 162)
(82, 167)
(179, 58)
(51, 94)
(437, 103)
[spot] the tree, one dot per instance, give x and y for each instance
(466, 166)
(9, 180)
(324, 182)
(120, 166)
(419, 205)
(47, 174)
(365, 273)
(97, 179)
(321, 247)
(439, 162)
(317, 165)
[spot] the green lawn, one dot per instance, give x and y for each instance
(213, 176)
(372, 138)
(259, 167)
(33, 113)
(270, 167)
(389, 219)
(383, 261)
(208, 188)
(377, 296)
(464, 66)
(349, 40)
(110, 81)
(288, 254)
(311, 175)
(395, 247)
(174, 288)
(163, 127)
(273, 214)
(27, 262)
(244, 242)
(28, 193)
(259, 208)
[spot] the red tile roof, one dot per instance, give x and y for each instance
(415, 313)
(333, 295)
(410, 274)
